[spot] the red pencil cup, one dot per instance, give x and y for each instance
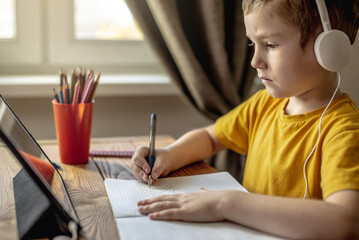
(73, 131)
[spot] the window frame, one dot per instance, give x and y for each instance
(44, 44)
(64, 48)
(25, 47)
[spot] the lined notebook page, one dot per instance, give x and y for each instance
(147, 229)
(124, 194)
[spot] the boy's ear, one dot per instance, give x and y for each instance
(333, 50)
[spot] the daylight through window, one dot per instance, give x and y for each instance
(104, 20)
(7, 19)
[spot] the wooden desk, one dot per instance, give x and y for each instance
(85, 185)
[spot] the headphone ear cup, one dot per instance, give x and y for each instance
(333, 50)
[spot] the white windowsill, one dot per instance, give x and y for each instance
(110, 85)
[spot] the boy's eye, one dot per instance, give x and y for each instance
(271, 45)
(251, 44)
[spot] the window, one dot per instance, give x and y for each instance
(40, 37)
(24, 46)
(114, 23)
(7, 19)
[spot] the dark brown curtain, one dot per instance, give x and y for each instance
(203, 47)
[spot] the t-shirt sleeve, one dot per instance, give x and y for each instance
(232, 132)
(340, 163)
(233, 128)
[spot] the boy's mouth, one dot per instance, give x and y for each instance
(265, 80)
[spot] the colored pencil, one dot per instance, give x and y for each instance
(86, 93)
(88, 78)
(56, 96)
(93, 92)
(80, 88)
(75, 99)
(64, 76)
(72, 84)
(61, 78)
(61, 94)
(67, 93)
(82, 82)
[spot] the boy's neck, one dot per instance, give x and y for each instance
(311, 101)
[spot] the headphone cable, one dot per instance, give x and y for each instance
(320, 127)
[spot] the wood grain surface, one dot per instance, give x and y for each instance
(9, 168)
(84, 183)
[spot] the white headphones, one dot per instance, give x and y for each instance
(333, 51)
(332, 47)
(72, 226)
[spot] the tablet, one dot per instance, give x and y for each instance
(41, 196)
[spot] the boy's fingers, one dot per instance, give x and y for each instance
(139, 158)
(142, 163)
(168, 214)
(157, 171)
(144, 176)
(158, 206)
(138, 173)
(139, 165)
(162, 198)
(143, 151)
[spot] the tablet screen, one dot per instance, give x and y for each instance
(34, 157)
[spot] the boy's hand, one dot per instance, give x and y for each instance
(193, 207)
(141, 169)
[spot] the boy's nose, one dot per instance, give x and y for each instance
(258, 62)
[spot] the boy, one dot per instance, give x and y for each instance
(277, 128)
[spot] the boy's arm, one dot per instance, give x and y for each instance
(195, 145)
(337, 217)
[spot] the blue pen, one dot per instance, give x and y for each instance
(151, 156)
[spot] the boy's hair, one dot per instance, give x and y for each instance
(304, 14)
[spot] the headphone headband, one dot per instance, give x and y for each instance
(323, 13)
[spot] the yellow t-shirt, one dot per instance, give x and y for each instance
(277, 146)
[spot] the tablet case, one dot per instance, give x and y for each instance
(36, 216)
(38, 213)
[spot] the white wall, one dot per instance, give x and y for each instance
(350, 83)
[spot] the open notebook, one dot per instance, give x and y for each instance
(124, 195)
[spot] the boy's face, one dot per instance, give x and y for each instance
(285, 68)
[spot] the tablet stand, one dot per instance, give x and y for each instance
(35, 215)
